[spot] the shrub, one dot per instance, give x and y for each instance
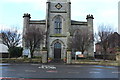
(15, 51)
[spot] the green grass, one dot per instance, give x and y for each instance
(26, 60)
(85, 61)
(93, 62)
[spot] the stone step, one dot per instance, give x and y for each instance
(57, 61)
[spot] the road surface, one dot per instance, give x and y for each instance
(57, 71)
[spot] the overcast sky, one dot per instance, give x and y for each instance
(104, 11)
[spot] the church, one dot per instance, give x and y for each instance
(59, 28)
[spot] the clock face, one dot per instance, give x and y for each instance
(58, 6)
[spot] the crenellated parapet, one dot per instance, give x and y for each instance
(58, 0)
(90, 20)
(90, 16)
(26, 15)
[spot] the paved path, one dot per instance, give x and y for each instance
(58, 71)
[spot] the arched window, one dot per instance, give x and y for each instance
(58, 25)
(57, 45)
(76, 33)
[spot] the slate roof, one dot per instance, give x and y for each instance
(37, 21)
(73, 22)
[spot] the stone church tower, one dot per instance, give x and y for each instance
(58, 24)
(59, 28)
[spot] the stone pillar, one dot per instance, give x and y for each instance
(44, 56)
(25, 26)
(69, 57)
(91, 32)
(51, 52)
(65, 52)
(118, 56)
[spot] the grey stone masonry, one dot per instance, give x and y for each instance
(91, 31)
(25, 25)
(69, 58)
(58, 27)
(44, 56)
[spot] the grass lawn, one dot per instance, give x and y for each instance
(93, 62)
(26, 60)
(79, 61)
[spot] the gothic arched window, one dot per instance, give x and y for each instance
(57, 45)
(58, 25)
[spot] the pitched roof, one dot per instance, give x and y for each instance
(37, 21)
(73, 22)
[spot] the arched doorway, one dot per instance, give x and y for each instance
(57, 50)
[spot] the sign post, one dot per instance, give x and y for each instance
(29, 55)
(77, 53)
(26, 52)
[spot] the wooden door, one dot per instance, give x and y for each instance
(57, 50)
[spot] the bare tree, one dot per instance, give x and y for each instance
(81, 40)
(33, 38)
(102, 37)
(11, 39)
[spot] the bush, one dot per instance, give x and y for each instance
(36, 56)
(107, 56)
(15, 51)
(118, 49)
(25, 56)
(90, 58)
